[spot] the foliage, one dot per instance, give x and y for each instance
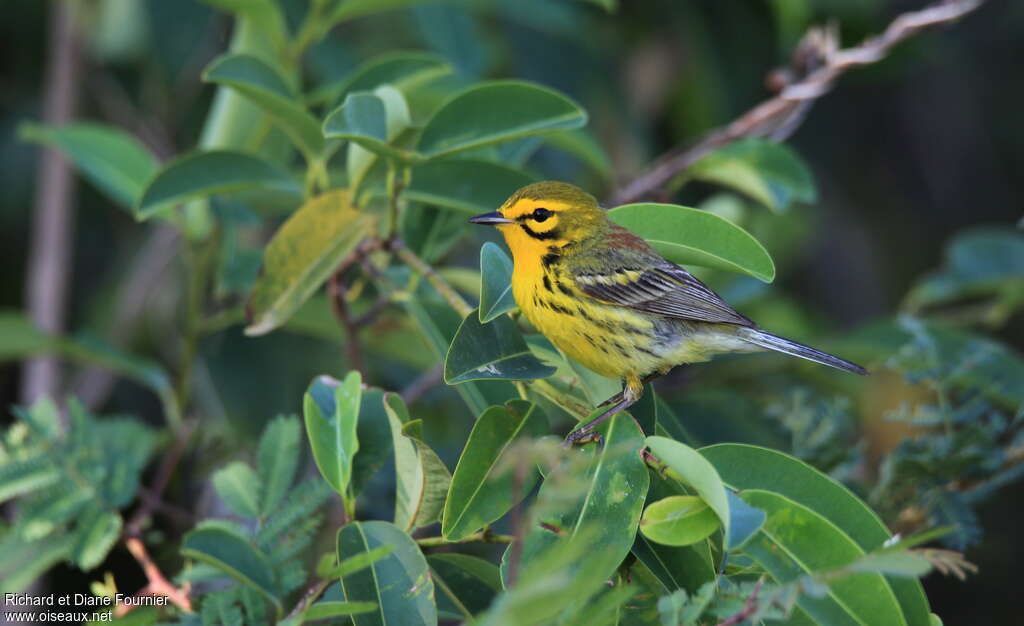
(365, 181)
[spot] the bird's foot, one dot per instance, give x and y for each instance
(581, 437)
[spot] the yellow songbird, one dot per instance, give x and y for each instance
(610, 301)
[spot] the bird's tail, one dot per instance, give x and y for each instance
(781, 344)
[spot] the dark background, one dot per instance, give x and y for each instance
(905, 153)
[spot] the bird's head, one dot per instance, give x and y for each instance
(546, 215)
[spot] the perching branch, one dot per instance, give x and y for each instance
(424, 269)
(816, 64)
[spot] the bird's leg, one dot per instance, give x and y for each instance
(618, 397)
(631, 392)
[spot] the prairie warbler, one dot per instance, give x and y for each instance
(610, 301)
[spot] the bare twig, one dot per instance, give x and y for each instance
(748, 610)
(158, 584)
(478, 537)
(424, 269)
(46, 278)
(155, 492)
(816, 65)
(423, 383)
(337, 294)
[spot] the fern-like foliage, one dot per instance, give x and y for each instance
(70, 479)
(276, 517)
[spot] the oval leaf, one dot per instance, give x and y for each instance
(746, 467)
(690, 236)
(238, 486)
(331, 410)
(606, 512)
(116, 162)
(261, 83)
(422, 479)
(301, 255)
(478, 495)
(768, 172)
(496, 112)
(207, 173)
(495, 282)
(495, 351)
(403, 70)
(467, 185)
(231, 553)
(467, 584)
(371, 120)
(678, 521)
(795, 541)
(686, 464)
(400, 583)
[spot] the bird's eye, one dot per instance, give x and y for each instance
(541, 214)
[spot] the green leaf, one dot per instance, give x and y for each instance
(439, 324)
(351, 9)
(495, 112)
(492, 351)
(467, 185)
(331, 410)
(375, 442)
(421, 477)
(95, 535)
(768, 172)
(604, 515)
(19, 337)
(116, 162)
(265, 14)
(400, 583)
(264, 85)
(324, 610)
(979, 262)
(678, 521)
(744, 521)
(231, 553)
(684, 463)
(238, 486)
(354, 564)
(795, 541)
(278, 460)
(746, 467)
(371, 120)
(495, 283)
(405, 70)
(466, 584)
(902, 563)
(479, 494)
(203, 174)
(583, 146)
(301, 255)
(691, 236)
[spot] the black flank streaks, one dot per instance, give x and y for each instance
(547, 284)
(549, 259)
(564, 289)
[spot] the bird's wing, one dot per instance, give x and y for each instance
(639, 278)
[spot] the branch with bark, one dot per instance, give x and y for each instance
(815, 66)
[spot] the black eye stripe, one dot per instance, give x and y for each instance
(551, 234)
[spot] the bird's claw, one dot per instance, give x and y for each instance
(581, 437)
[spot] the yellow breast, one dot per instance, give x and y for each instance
(612, 341)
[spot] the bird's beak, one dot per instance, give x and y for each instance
(493, 218)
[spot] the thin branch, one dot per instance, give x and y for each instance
(423, 383)
(164, 472)
(337, 294)
(46, 280)
(478, 537)
(748, 610)
(424, 269)
(158, 584)
(816, 65)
